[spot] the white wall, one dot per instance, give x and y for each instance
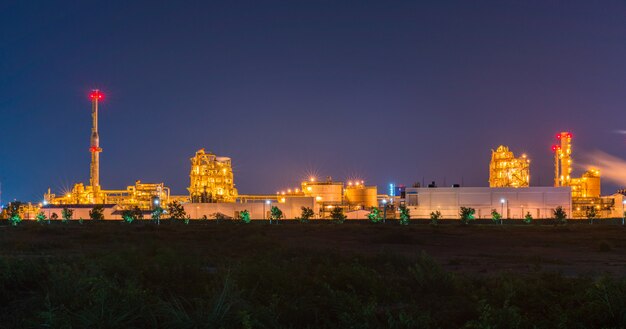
(539, 201)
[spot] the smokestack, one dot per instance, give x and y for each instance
(94, 149)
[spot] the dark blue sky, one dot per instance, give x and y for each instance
(383, 90)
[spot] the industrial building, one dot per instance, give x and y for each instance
(505, 170)
(512, 203)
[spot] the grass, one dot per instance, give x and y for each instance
(113, 275)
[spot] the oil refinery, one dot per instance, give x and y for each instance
(212, 192)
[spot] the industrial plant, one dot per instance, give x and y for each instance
(212, 192)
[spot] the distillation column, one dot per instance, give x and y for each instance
(565, 156)
(95, 149)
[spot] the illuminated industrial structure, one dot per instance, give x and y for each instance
(212, 192)
(142, 195)
(585, 189)
(588, 185)
(211, 179)
(505, 170)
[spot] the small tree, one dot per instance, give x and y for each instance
(337, 215)
(559, 215)
(137, 213)
(275, 214)
(528, 218)
(591, 214)
(67, 214)
(15, 219)
(176, 210)
(467, 214)
(374, 215)
(496, 217)
(128, 216)
(244, 216)
(41, 217)
(97, 212)
(156, 214)
(306, 215)
(435, 216)
(405, 215)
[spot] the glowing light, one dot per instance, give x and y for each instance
(318, 198)
(502, 200)
(268, 201)
(384, 201)
(312, 179)
(96, 94)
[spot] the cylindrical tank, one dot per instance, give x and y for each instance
(324, 191)
(364, 196)
(592, 183)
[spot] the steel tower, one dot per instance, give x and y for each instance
(95, 149)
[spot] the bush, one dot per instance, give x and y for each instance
(306, 215)
(176, 210)
(405, 215)
(467, 214)
(495, 216)
(67, 214)
(528, 218)
(374, 215)
(275, 213)
(97, 213)
(337, 215)
(244, 216)
(435, 216)
(559, 215)
(41, 217)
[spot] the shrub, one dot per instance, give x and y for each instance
(374, 215)
(559, 215)
(54, 216)
(467, 214)
(528, 218)
(176, 210)
(275, 213)
(337, 215)
(306, 215)
(495, 216)
(405, 215)
(435, 216)
(15, 219)
(244, 216)
(67, 214)
(97, 213)
(128, 216)
(41, 217)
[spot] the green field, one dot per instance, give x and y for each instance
(315, 275)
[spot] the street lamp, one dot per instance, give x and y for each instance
(384, 210)
(267, 202)
(502, 201)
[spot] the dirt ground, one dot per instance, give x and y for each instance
(572, 249)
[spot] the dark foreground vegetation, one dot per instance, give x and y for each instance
(232, 275)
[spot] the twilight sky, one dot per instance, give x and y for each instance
(387, 91)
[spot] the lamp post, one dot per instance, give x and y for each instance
(384, 210)
(156, 204)
(502, 201)
(267, 202)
